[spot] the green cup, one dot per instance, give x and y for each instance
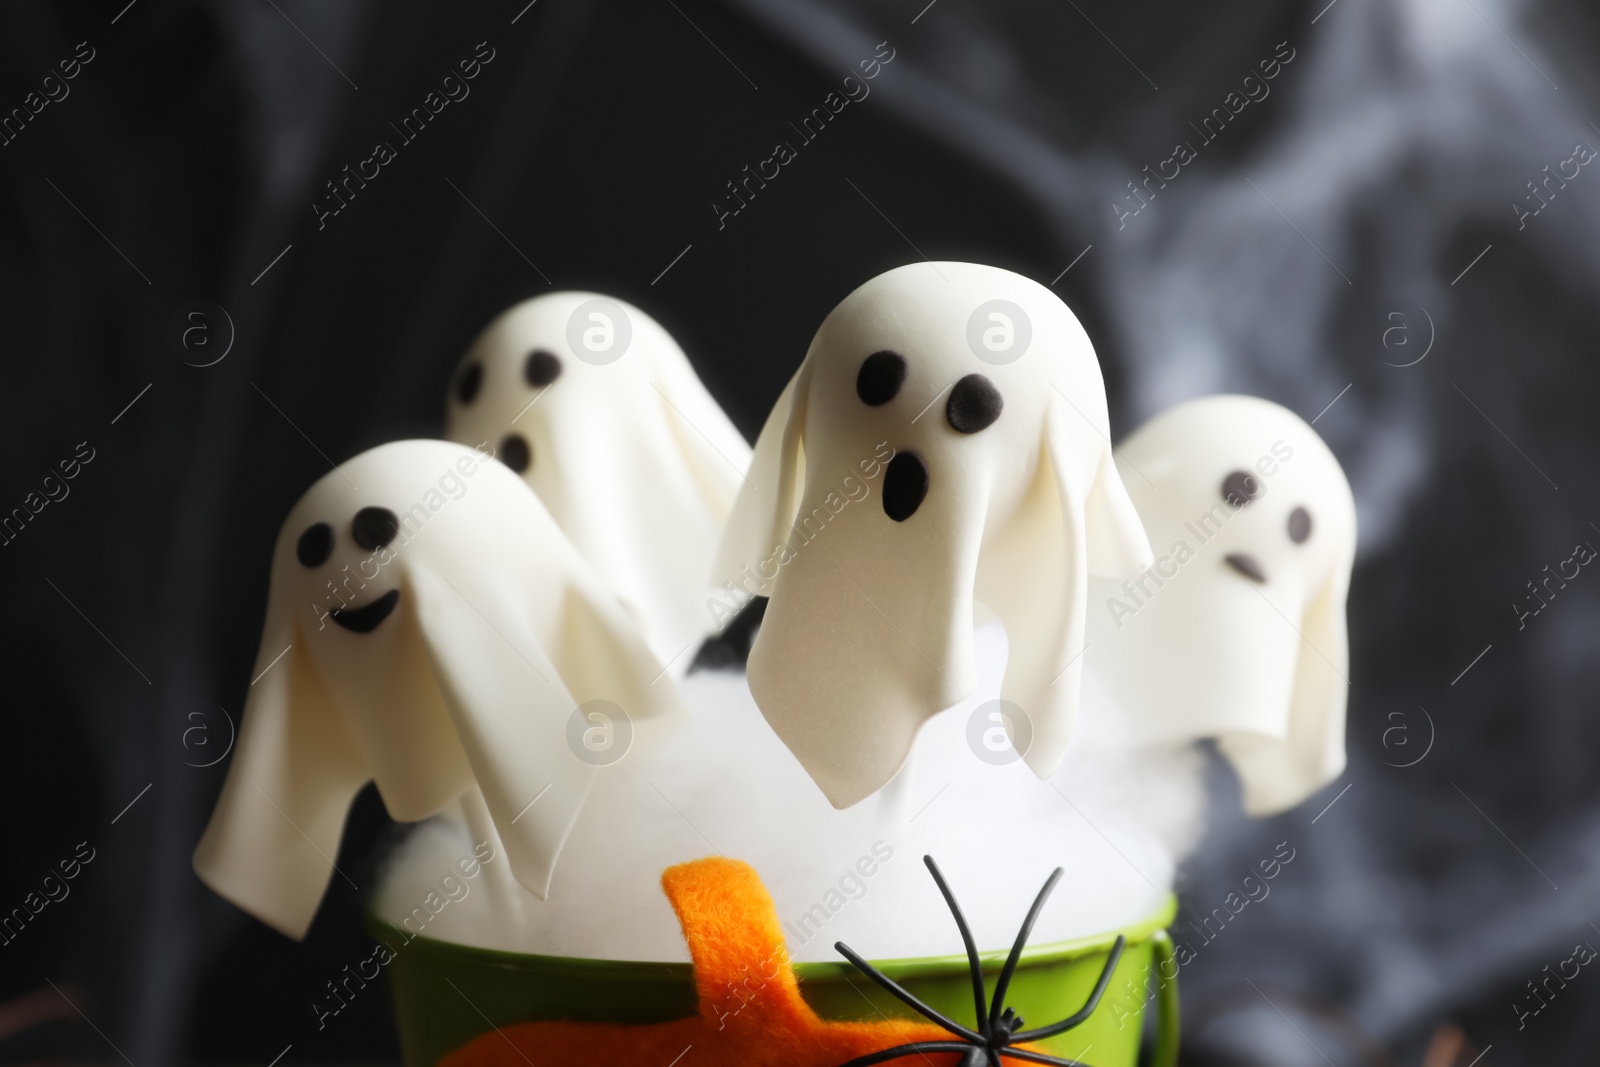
(447, 994)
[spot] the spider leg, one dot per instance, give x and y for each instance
(982, 1009)
(900, 991)
(1039, 1057)
(996, 1004)
(1089, 1005)
(917, 1049)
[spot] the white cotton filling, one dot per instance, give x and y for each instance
(1119, 820)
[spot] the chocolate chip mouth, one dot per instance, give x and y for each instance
(1247, 566)
(905, 484)
(364, 620)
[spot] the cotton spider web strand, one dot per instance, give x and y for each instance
(1089, 1005)
(982, 1012)
(1001, 986)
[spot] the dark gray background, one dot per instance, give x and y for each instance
(1386, 158)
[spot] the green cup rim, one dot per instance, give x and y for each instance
(678, 972)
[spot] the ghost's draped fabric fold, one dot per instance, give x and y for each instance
(295, 770)
(1238, 630)
(598, 409)
(482, 631)
(944, 441)
(1069, 515)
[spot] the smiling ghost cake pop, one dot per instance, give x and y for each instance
(970, 398)
(430, 629)
(1238, 630)
(598, 409)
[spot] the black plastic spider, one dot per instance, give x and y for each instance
(999, 1027)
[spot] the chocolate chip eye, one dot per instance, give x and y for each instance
(470, 381)
(515, 453)
(1239, 488)
(1299, 525)
(315, 545)
(374, 527)
(542, 368)
(974, 404)
(880, 378)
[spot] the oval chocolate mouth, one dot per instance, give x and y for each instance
(905, 485)
(364, 620)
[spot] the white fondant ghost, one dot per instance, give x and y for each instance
(430, 629)
(1238, 630)
(602, 414)
(888, 493)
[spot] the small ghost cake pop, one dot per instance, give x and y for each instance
(945, 439)
(598, 409)
(430, 629)
(1238, 629)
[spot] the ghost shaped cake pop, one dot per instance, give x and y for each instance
(971, 400)
(598, 409)
(430, 629)
(1238, 629)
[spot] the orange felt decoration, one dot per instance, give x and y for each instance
(751, 1012)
